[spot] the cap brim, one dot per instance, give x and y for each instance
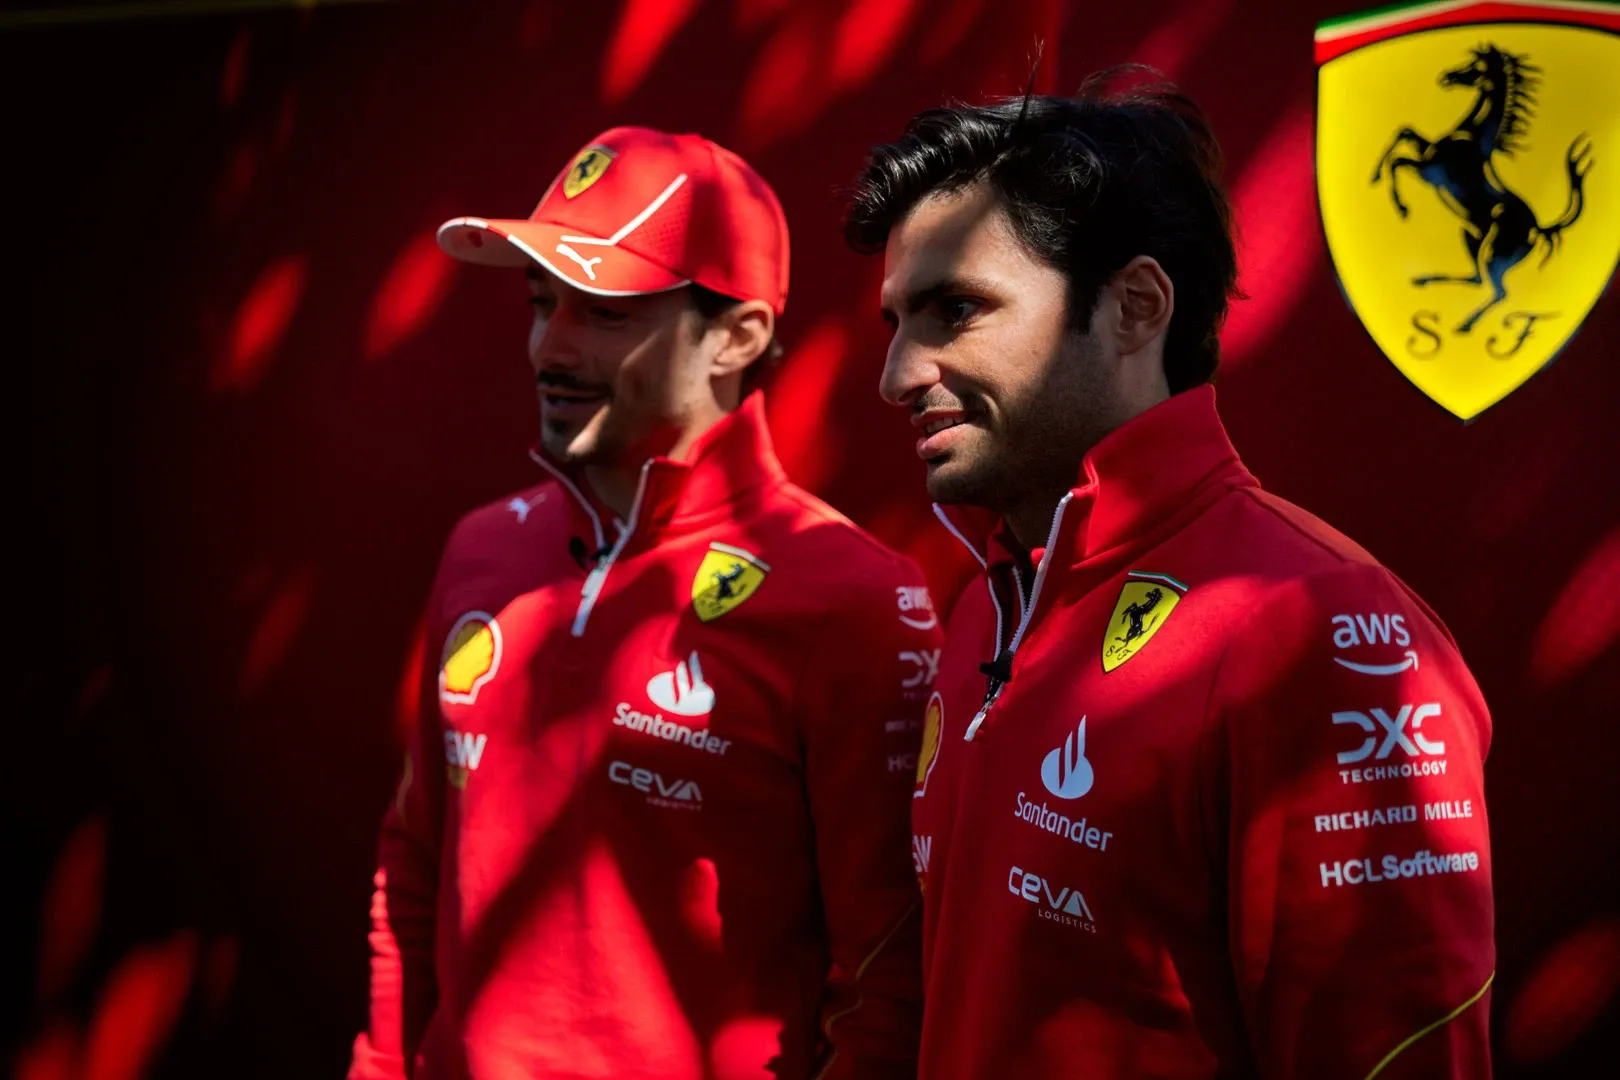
(587, 263)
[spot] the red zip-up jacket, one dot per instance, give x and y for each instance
(654, 822)
(1216, 807)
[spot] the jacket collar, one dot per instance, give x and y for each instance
(730, 464)
(1134, 480)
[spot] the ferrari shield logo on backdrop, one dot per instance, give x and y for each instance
(1144, 603)
(586, 169)
(725, 578)
(1469, 177)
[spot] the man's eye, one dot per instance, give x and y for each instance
(607, 315)
(957, 310)
(542, 303)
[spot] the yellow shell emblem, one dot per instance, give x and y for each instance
(933, 720)
(472, 656)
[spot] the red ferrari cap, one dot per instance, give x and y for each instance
(640, 211)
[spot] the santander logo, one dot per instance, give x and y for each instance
(1066, 772)
(683, 691)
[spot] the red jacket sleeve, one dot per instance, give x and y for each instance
(1349, 790)
(860, 704)
(404, 903)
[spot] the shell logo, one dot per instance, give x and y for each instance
(472, 656)
(933, 720)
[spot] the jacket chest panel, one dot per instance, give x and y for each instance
(1070, 807)
(650, 711)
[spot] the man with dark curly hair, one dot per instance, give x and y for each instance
(1243, 760)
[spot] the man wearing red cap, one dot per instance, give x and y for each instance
(654, 819)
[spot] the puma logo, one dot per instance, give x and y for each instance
(588, 265)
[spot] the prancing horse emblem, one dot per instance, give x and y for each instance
(1136, 612)
(1463, 151)
(1499, 228)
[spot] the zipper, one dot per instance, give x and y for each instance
(995, 601)
(597, 577)
(999, 670)
(579, 497)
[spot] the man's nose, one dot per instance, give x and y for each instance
(553, 343)
(908, 371)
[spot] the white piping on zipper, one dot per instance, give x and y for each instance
(1027, 610)
(598, 573)
(939, 512)
(1040, 571)
(584, 504)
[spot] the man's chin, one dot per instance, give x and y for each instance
(567, 444)
(950, 484)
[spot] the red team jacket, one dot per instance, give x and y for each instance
(1218, 807)
(654, 822)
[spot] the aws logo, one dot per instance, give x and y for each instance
(916, 607)
(1351, 631)
(472, 656)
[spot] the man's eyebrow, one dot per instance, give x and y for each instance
(920, 298)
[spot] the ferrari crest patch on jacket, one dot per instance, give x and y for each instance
(1466, 163)
(725, 578)
(1144, 603)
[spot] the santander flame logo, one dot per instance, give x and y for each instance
(1066, 772)
(682, 691)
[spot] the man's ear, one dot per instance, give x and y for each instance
(745, 332)
(1141, 300)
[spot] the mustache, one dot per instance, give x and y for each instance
(943, 400)
(562, 380)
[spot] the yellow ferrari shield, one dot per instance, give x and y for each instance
(1469, 179)
(725, 578)
(586, 169)
(1144, 604)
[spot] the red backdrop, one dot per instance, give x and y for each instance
(255, 398)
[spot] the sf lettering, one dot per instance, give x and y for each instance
(1428, 339)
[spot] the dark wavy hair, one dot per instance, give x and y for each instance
(1127, 167)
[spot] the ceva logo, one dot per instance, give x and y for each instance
(1065, 905)
(681, 794)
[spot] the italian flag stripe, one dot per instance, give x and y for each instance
(1335, 37)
